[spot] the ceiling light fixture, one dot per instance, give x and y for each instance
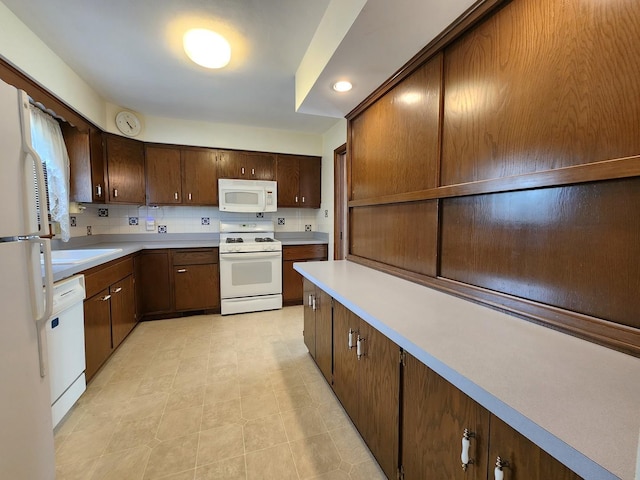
(342, 86)
(207, 48)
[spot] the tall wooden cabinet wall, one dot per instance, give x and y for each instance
(502, 164)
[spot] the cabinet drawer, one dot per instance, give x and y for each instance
(195, 257)
(100, 277)
(304, 252)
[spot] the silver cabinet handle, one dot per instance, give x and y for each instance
(175, 195)
(115, 193)
(117, 290)
(182, 270)
(242, 170)
(466, 443)
(190, 197)
(98, 190)
(296, 199)
(302, 199)
(351, 332)
(310, 301)
(105, 298)
(253, 171)
(313, 306)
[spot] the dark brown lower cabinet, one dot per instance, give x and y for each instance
(318, 327)
(97, 332)
(123, 313)
(109, 310)
(196, 279)
(435, 415)
(292, 290)
(523, 459)
(367, 383)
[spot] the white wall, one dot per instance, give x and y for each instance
(332, 139)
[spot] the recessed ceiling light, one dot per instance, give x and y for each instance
(207, 48)
(342, 86)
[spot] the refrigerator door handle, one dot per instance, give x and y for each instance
(41, 295)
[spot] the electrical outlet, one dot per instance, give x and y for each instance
(89, 230)
(72, 221)
(326, 214)
(307, 228)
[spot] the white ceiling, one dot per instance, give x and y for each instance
(130, 52)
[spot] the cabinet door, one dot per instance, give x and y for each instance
(288, 176)
(246, 165)
(310, 182)
(154, 282)
(378, 397)
(164, 186)
(434, 416)
(526, 461)
(97, 332)
(324, 334)
(123, 312)
(125, 167)
(199, 177)
(291, 284)
(309, 331)
(86, 164)
(195, 286)
(345, 362)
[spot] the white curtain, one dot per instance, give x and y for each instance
(47, 141)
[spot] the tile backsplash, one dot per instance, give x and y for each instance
(124, 219)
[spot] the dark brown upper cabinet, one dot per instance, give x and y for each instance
(87, 182)
(125, 169)
(199, 176)
(246, 165)
(163, 173)
(299, 181)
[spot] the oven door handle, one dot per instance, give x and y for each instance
(250, 255)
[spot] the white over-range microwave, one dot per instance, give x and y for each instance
(247, 196)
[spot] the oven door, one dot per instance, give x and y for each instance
(250, 274)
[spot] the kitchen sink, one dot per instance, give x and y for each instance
(74, 257)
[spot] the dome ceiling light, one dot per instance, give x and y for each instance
(207, 48)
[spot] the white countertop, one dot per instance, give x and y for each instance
(578, 401)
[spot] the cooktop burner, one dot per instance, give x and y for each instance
(263, 239)
(235, 240)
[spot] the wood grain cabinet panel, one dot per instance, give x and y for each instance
(309, 328)
(394, 144)
(246, 165)
(318, 328)
(434, 417)
(299, 181)
(368, 387)
(163, 174)
(524, 459)
(125, 169)
(401, 235)
(196, 287)
(292, 280)
(87, 175)
(199, 176)
(123, 311)
(154, 282)
(575, 247)
(97, 331)
(542, 84)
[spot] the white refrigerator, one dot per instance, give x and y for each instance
(26, 432)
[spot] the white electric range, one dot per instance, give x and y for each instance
(250, 267)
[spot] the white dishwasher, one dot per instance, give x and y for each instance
(65, 346)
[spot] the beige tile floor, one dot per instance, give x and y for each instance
(211, 397)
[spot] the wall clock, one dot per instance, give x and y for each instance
(128, 123)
